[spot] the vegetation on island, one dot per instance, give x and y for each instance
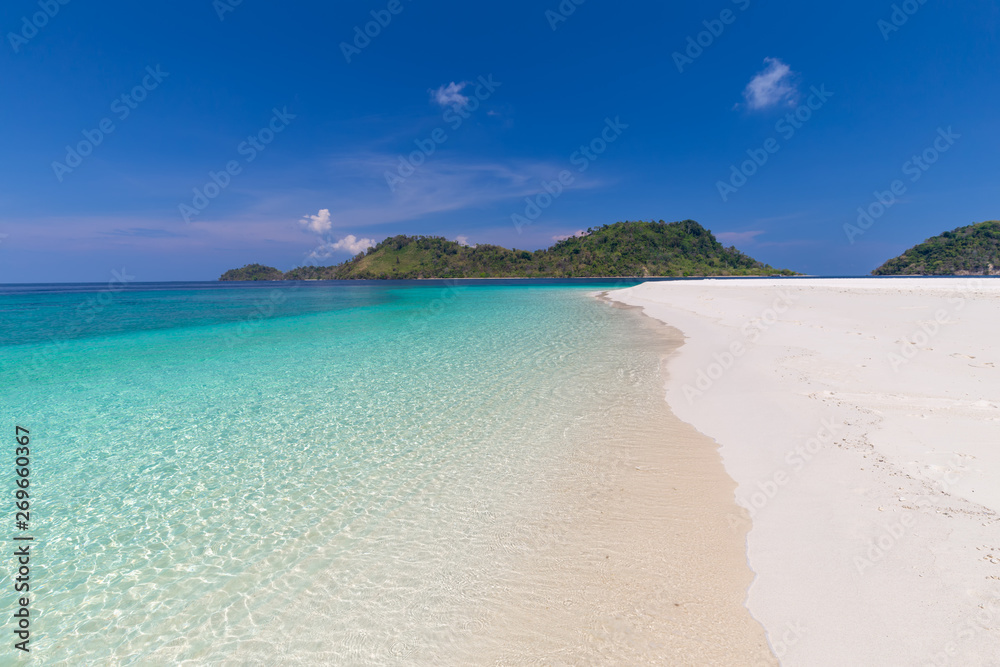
(967, 251)
(253, 272)
(623, 249)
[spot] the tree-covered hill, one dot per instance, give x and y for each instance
(253, 272)
(624, 249)
(971, 250)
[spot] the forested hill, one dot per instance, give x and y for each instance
(624, 249)
(253, 272)
(972, 250)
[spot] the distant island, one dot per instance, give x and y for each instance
(623, 249)
(967, 251)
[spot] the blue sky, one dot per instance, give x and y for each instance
(487, 104)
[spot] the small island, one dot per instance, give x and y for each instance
(619, 250)
(973, 250)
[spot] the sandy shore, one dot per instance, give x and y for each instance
(648, 558)
(860, 419)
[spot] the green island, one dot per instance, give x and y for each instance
(622, 249)
(973, 250)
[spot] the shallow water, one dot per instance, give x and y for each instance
(339, 474)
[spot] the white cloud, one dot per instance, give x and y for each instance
(319, 223)
(738, 237)
(349, 244)
(771, 86)
(352, 244)
(578, 233)
(450, 95)
(464, 240)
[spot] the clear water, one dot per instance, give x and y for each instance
(336, 474)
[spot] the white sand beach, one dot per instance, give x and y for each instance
(860, 419)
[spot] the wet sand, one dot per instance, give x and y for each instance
(652, 559)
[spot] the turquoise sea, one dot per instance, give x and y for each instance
(336, 473)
